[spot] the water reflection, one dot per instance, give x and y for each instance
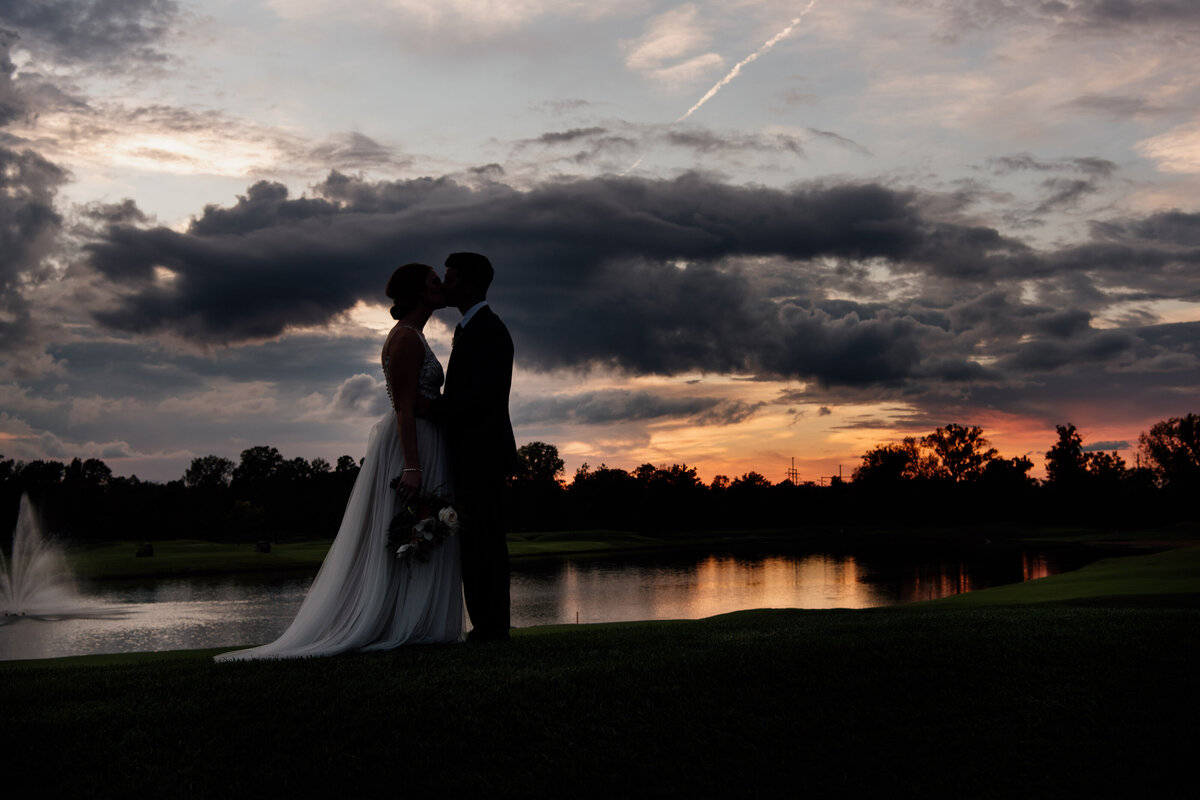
(228, 612)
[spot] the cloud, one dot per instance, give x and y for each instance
(1118, 107)
(623, 405)
(20, 440)
(1097, 167)
(599, 142)
(705, 141)
(1080, 177)
(29, 223)
(664, 51)
(668, 37)
(1165, 227)
(1097, 447)
(426, 25)
(1177, 150)
(99, 33)
(1099, 17)
(705, 277)
(124, 212)
(561, 137)
(360, 395)
(355, 151)
(688, 71)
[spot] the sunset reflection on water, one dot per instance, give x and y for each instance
(236, 611)
(714, 585)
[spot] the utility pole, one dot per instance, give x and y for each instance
(792, 474)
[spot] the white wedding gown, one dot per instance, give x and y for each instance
(364, 598)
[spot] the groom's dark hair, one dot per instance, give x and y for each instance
(474, 267)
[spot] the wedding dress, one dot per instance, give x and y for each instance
(365, 598)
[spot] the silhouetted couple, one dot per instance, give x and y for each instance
(457, 445)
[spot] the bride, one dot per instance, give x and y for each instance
(364, 597)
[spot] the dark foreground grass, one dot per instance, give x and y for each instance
(975, 702)
(1093, 694)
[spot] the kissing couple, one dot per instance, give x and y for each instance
(455, 446)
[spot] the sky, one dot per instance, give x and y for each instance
(728, 234)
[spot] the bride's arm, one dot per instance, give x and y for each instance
(405, 354)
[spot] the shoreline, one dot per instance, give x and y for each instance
(187, 558)
(1166, 579)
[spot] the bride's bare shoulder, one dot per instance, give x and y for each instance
(403, 344)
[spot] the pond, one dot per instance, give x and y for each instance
(240, 610)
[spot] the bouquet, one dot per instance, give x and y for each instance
(420, 527)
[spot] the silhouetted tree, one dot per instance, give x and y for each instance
(606, 497)
(889, 463)
(960, 453)
(538, 461)
(1002, 474)
(208, 471)
(751, 480)
(1065, 462)
(1172, 450)
(1107, 468)
(537, 490)
(39, 474)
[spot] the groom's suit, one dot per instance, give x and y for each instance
(475, 409)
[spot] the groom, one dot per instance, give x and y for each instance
(474, 407)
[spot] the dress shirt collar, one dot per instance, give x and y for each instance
(472, 311)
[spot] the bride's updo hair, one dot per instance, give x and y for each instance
(405, 287)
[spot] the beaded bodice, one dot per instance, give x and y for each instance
(430, 378)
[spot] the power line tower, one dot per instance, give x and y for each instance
(792, 474)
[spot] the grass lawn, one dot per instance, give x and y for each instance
(1083, 686)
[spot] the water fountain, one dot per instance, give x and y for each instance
(38, 584)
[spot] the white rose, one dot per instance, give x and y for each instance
(404, 548)
(449, 517)
(425, 526)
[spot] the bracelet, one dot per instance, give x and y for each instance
(413, 469)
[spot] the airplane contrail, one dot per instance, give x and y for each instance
(733, 73)
(737, 68)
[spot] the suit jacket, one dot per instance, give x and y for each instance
(475, 401)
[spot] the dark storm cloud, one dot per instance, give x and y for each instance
(560, 137)
(600, 141)
(29, 223)
(1096, 447)
(1075, 17)
(12, 105)
(1047, 355)
(621, 405)
(97, 32)
(704, 141)
(665, 276)
(1125, 13)
(1019, 162)
(355, 151)
(125, 212)
(1064, 193)
(841, 141)
(1165, 227)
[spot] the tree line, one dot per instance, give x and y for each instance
(949, 477)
